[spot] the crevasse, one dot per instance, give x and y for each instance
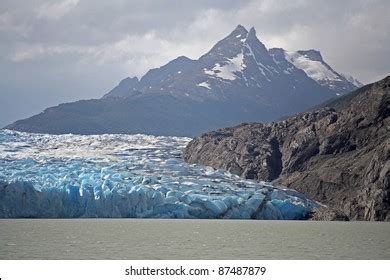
(127, 176)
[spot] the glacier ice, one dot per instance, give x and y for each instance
(129, 176)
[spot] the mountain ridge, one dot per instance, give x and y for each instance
(216, 62)
(237, 80)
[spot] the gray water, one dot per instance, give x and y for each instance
(192, 239)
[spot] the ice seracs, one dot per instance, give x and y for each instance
(138, 176)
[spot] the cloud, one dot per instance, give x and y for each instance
(146, 51)
(55, 11)
(57, 51)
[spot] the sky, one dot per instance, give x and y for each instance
(53, 52)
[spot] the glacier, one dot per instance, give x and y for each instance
(128, 176)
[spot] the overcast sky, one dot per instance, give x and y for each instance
(59, 51)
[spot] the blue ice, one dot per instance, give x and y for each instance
(128, 176)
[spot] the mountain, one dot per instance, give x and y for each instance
(240, 62)
(312, 63)
(338, 154)
(238, 80)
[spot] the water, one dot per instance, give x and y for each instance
(192, 239)
(144, 176)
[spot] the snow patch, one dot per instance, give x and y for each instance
(204, 84)
(228, 71)
(314, 69)
(352, 80)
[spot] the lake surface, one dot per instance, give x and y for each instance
(191, 239)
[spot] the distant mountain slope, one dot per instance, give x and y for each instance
(312, 63)
(338, 155)
(147, 114)
(341, 102)
(238, 80)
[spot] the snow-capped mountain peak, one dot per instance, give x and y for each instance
(314, 66)
(238, 64)
(237, 81)
(241, 57)
(229, 46)
(239, 32)
(313, 55)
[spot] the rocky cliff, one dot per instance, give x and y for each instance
(337, 154)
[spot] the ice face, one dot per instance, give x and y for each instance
(137, 176)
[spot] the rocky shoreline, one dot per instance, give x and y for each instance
(338, 154)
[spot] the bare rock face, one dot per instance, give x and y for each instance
(328, 214)
(338, 155)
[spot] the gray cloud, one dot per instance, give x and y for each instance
(59, 51)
